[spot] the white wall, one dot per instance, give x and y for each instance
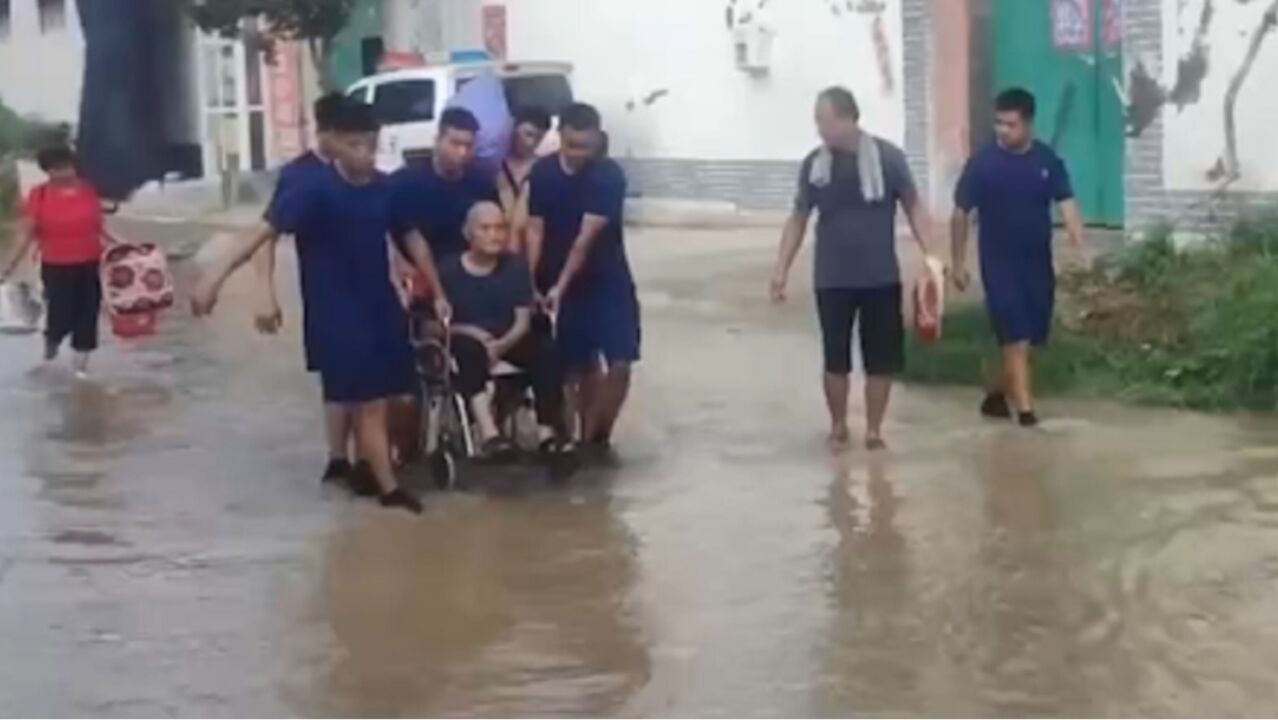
(624, 50)
(1194, 135)
(41, 74)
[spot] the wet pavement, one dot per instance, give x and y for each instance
(165, 547)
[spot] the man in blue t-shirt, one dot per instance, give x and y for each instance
(269, 318)
(577, 253)
(357, 328)
(1011, 186)
(434, 197)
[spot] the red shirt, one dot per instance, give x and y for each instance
(67, 221)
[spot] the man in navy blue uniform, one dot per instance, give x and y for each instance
(1011, 185)
(435, 197)
(576, 250)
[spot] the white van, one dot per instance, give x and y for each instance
(408, 103)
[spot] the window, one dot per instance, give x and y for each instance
(359, 94)
(5, 13)
(405, 101)
(548, 92)
(53, 15)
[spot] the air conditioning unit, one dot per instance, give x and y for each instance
(752, 44)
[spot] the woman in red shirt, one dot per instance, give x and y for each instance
(63, 217)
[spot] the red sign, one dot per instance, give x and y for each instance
(494, 26)
(1072, 25)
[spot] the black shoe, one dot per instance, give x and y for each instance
(1027, 419)
(339, 470)
(363, 482)
(996, 407)
(401, 498)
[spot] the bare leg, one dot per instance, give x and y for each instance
(80, 363)
(373, 443)
(338, 426)
(878, 393)
(481, 407)
(1016, 370)
(572, 407)
(995, 377)
(837, 388)
(612, 390)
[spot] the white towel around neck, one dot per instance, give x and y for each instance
(869, 168)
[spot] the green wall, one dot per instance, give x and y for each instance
(345, 59)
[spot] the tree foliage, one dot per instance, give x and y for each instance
(295, 19)
(315, 22)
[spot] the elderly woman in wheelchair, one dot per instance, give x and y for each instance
(493, 340)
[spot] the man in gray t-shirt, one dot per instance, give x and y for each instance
(854, 182)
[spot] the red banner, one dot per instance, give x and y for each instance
(1072, 25)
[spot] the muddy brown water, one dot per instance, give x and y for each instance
(165, 548)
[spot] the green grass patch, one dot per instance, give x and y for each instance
(1193, 328)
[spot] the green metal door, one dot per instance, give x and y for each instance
(1069, 54)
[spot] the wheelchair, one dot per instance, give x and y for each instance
(447, 436)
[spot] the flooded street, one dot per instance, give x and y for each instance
(166, 549)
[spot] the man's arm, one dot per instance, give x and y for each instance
(920, 219)
(796, 229)
(960, 225)
(418, 251)
(591, 227)
(268, 316)
(1073, 218)
(204, 295)
(536, 237)
(521, 327)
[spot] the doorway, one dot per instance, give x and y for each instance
(1069, 54)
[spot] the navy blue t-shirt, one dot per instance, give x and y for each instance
(437, 206)
(488, 301)
(1013, 194)
(353, 312)
(293, 172)
(562, 200)
(298, 171)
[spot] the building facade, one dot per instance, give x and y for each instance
(1159, 107)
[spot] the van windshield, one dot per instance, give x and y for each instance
(404, 101)
(548, 92)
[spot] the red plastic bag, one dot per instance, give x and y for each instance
(929, 301)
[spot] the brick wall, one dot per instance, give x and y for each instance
(1148, 202)
(770, 184)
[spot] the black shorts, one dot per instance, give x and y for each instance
(73, 296)
(876, 312)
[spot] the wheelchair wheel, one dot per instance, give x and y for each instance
(443, 468)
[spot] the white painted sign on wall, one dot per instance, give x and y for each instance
(1214, 135)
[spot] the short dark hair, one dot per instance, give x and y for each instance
(581, 116)
(1017, 100)
(535, 116)
(55, 157)
(355, 117)
(458, 119)
(842, 101)
(327, 109)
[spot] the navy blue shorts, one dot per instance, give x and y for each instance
(354, 383)
(1021, 307)
(599, 324)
